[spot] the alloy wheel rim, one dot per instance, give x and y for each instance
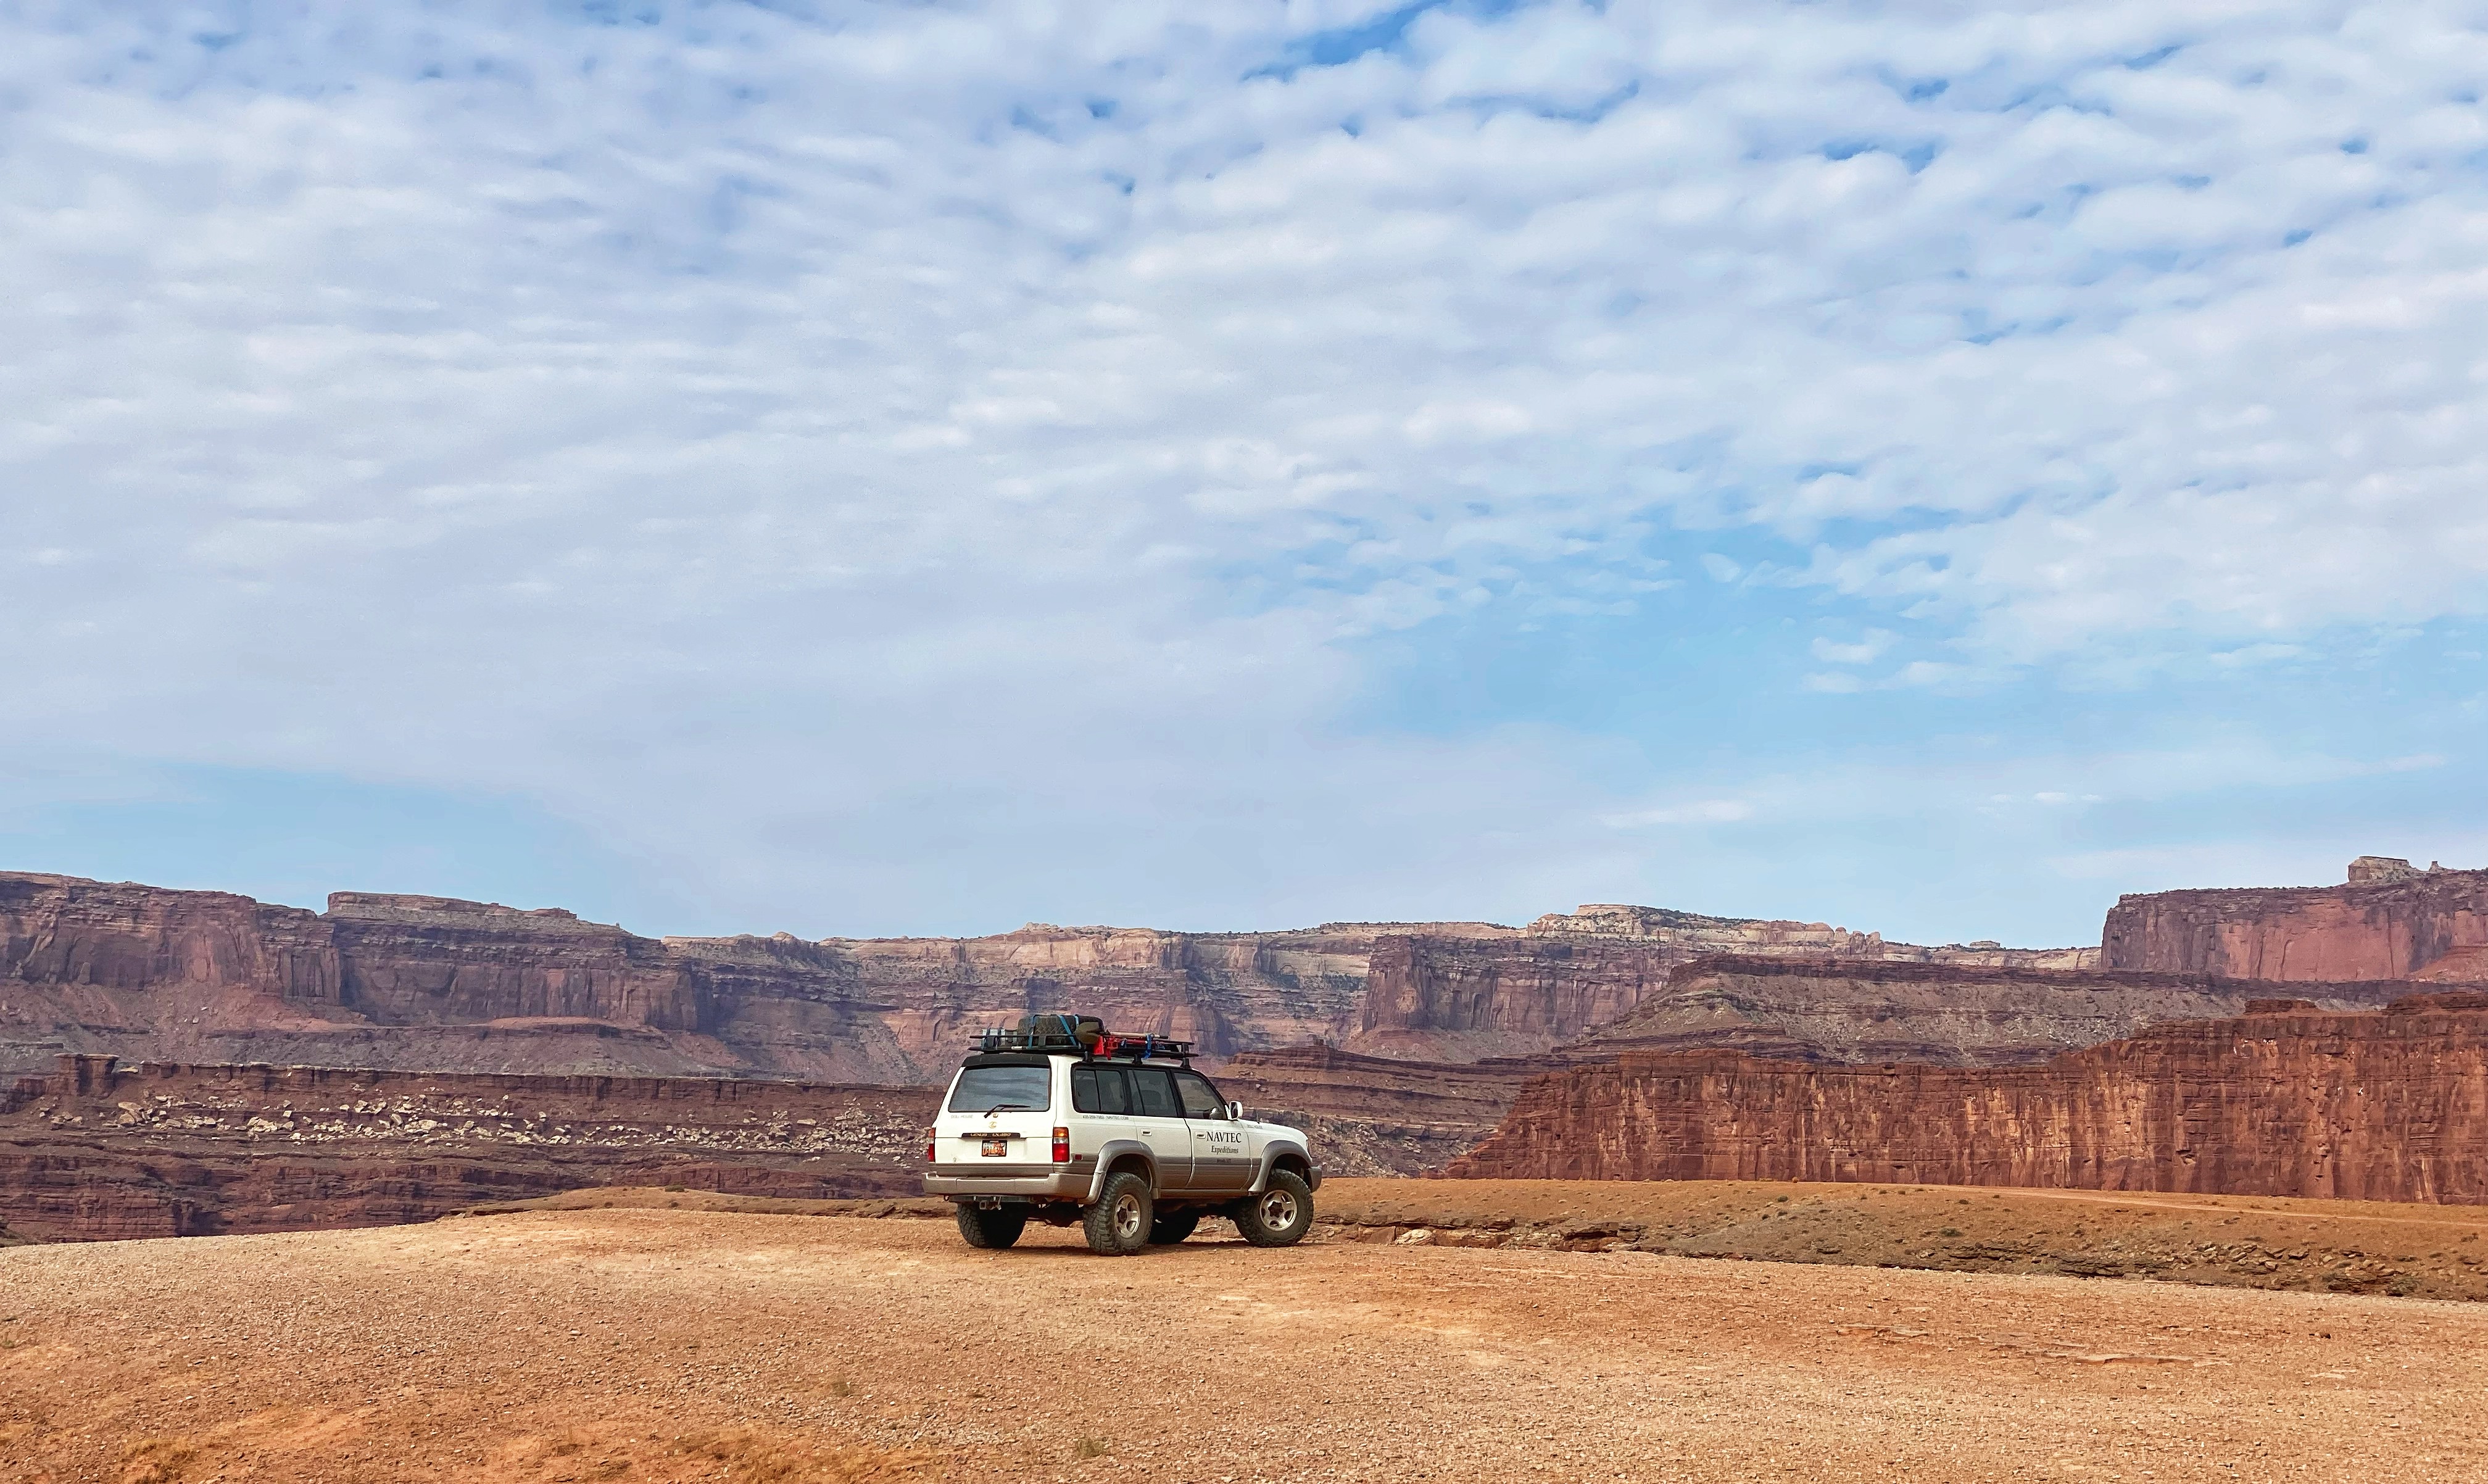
(1127, 1216)
(1278, 1209)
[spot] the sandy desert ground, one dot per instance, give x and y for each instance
(666, 1345)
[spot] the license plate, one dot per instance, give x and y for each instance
(997, 1148)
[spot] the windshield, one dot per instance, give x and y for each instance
(984, 1089)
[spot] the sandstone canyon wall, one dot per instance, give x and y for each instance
(1378, 1114)
(1834, 1010)
(1400, 1045)
(1371, 1115)
(430, 983)
(2387, 922)
(1445, 998)
(2387, 1104)
(1694, 936)
(99, 1150)
(1230, 992)
(427, 983)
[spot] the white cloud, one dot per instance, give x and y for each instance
(918, 434)
(1866, 650)
(1703, 811)
(1968, 776)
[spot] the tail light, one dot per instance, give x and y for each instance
(1063, 1146)
(930, 1145)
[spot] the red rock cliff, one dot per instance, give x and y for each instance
(58, 930)
(436, 983)
(411, 961)
(1377, 1115)
(2374, 1105)
(2383, 924)
(428, 982)
(1468, 1000)
(1461, 1000)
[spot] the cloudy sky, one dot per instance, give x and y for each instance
(876, 468)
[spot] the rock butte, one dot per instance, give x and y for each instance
(2390, 922)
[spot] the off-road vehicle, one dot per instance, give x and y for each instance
(1060, 1121)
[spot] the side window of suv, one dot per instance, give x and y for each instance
(1100, 1090)
(1153, 1093)
(1200, 1099)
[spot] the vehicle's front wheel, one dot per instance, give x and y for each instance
(1280, 1215)
(1118, 1224)
(992, 1228)
(1172, 1227)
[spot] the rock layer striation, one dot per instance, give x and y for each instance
(2387, 922)
(1373, 1115)
(1441, 998)
(432, 983)
(1694, 936)
(429, 983)
(2387, 1104)
(1833, 1010)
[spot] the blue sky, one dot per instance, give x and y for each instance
(917, 469)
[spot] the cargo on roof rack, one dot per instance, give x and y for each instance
(1078, 1035)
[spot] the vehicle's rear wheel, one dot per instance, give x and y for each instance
(1280, 1215)
(992, 1228)
(1118, 1224)
(1172, 1227)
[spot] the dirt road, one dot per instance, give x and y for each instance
(675, 1345)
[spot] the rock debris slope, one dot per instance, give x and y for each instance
(100, 1150)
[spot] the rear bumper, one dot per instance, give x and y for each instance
(1043, 1182)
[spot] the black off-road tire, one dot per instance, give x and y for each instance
(1280, 1215)
(1172, 1227)
(992, 1228)
(1118, 1225)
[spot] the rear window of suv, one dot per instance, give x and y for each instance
(987, 1090)
(1100, 1090)
(1142, 1090)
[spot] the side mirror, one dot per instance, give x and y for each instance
(1235, 1110)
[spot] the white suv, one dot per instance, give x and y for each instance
(1119, 1135)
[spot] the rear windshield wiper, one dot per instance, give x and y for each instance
(1016, 1107)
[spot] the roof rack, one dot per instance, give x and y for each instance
(1080, 1036)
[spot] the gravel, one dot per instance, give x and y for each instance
(678, 1344)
